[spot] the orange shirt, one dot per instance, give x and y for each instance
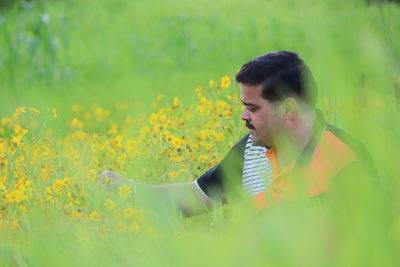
(311, 174)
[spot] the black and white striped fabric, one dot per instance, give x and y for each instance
(257, 169)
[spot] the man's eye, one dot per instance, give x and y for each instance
(251, 109)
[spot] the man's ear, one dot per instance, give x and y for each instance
(290, 107)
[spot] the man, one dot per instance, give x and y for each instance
(290, 152)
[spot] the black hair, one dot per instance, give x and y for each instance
(282, 74)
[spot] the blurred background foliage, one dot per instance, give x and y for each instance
(70, 51)
(98, 56)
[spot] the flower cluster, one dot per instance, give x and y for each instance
(59, 172)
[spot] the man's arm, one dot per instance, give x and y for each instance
(187, 197)
(194, 197)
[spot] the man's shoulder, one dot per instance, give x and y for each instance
(241, 144)
(239, 148)
(225, 174)
(356, 146)
(348, 140)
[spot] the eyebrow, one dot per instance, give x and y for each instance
(248, 104)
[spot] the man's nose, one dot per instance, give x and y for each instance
(245, 115)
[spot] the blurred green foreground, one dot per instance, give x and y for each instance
(145, 88)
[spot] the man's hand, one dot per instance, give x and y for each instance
(112, 179)
(186, 196)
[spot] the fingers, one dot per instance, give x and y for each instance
(108, 176)
(103, 175)
(111, 179)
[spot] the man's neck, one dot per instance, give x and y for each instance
(293, 142)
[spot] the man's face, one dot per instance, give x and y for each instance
(261, 116)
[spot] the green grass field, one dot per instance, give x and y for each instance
(146, 88)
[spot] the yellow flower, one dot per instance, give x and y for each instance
(221, 105)
(16, 139)
(14, 224)
(175, 103)
(19, 195)
(125, 191)
(211, 83)
(76, 123)
(178, 159)
(173, 175)
(48, 193)
(2, 212)
(58, 185)
(219, 136)
(54, 113)
(129, 212)
(113, 129)
(134, 227)
(117, 141)
(209, 146)
(34, 110)
(76, 214)
(227, 114)
(233, 97)
(12, 150)
(20, 158)
(225, 81)
(94, 216)
(100, 113)
(159, 97)
(153, 119)
(112, 153)
(212, 163)
(2, 146)
(110, 205)
(5, 121)
(67, 180)
(198, 89)
(80, 135)
(203, 158)
(18, 111)
(144, 130)
(20, 131)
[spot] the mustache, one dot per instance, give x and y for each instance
(248, 125)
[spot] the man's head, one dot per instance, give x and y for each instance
(275, 89)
